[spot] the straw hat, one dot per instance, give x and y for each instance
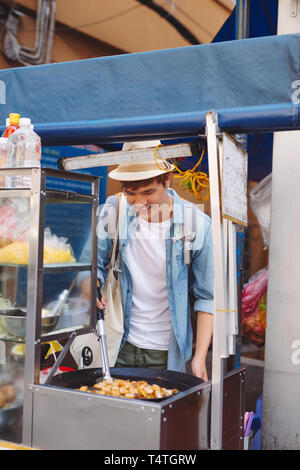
(142, 170)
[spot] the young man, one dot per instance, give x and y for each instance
(155, 280)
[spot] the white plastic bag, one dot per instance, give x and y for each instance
(260, 201)
(14, 220)
(57, 250)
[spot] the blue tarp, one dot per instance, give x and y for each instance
(231, 74)
(154, 86)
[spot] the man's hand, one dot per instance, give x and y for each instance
(85, 288)
(199, 367)
(101, 303)
(203, 339)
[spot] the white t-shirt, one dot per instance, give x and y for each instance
(145, 256)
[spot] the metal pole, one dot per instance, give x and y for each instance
(60, 357)
(219, 350)
(242, 32)
(242, 14)
(34, 299)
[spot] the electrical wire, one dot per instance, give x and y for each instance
(104, 20)
(182, 30)
(191, 38)
(86, 25)
(157, 157)
(196, 182)
(192, 19)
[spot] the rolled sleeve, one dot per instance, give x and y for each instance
(203, 273)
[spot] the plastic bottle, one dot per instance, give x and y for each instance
(12, 124)
(3, 160)
(23, 150)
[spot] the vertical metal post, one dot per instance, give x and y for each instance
(242, 32)
(232, 288)
(242, 24)
(94, 251)
(242, 15)
(219, 334)
(34, 298)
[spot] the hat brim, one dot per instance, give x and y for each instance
(137, 175)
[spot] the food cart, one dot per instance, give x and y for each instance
(214, 409)
(90, 421)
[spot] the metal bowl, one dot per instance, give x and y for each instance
(14, 322)
(10, 414)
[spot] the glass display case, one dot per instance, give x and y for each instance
(43, 230)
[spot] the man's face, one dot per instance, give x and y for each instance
(147, 200)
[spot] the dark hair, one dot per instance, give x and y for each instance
(137, 184)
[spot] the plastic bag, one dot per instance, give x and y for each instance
(254, 325)
(14, 220)
(56, 250)
(254, 306)
(254, 290)
(260, 201)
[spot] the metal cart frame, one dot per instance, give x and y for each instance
(39, 195)
(203, 411)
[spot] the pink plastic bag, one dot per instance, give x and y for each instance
(254, 305)
(254, 290)
(14, 219)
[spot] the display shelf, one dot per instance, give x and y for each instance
(54, 267)
(66, 267)
(45, 337)
(65, 333)
(4, 336)
(28, 283)
(70, 197)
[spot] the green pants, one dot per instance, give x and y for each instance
(132, 356)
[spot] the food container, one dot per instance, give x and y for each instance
(14, 321)
(10, 414)
(74, 313)
(10, 409)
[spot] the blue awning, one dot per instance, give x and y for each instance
(161, 94)
(225, 75)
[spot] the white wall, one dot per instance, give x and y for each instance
(281, 392)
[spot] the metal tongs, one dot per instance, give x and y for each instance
(102, 341)
(63, 297)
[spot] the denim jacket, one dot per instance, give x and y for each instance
(182, 279)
